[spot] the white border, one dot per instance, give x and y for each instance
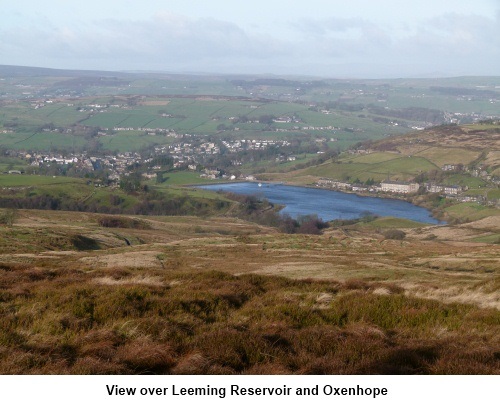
(408, 390)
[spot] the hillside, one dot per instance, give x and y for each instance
(477, 144)
(110, 264)
(186, 295)
(466, 158)
(47, 109)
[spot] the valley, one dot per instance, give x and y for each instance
(112, 263)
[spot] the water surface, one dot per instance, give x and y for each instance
(327, 204)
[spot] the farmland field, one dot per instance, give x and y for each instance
(372, 158)
(185, 115)
(377, 166)
(13, 180)
(442, 156)
(124, 141)
(213, 105)
(471, 211)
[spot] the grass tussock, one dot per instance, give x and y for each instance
(62, 321)
(112, 221)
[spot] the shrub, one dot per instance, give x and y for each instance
(7, 217)
(311, 224)
(122, 222)
(81, 242)
(395, 234)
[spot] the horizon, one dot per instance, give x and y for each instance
(320, 38)
(235, 74)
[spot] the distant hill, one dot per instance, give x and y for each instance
(27, 71)
(447, 149)
(485, 136)
(475, 145)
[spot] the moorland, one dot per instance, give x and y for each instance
(110, 265)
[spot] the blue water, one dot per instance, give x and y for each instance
(327, 204)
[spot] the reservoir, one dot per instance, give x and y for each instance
(327, 204)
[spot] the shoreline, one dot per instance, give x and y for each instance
(364, 195)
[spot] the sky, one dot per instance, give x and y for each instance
(332, 39)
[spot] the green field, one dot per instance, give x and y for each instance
(441, 156)
(182, 178)
(464, 180)
(65, 189)
(124, 141)
(471, 211)
(15, 180)
(42, 141)
(377, 166)
(203, 105)
(371, 158)
(389, 222)
(185, 115)
(72, 194)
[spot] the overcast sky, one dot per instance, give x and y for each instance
(353, 38)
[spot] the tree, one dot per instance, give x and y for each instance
(131, 183)
(288, 224)
(159, 178)
(8, 217)
(311, 224)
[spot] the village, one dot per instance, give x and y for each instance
(189, 154)
(403, 188)
(110, 169)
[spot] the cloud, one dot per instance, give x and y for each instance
(165, 40)
(317, 28)
(453, 43)
(461, 32)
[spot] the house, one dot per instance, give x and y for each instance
(324, 182)
(448, 190)
(359, 188)
(433, 188)
(452, 190)
(341, 185)
(399, 187)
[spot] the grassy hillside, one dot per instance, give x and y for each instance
(41, 125)
(84, 195)
(472, 151)
(381, 167)
(41, 110)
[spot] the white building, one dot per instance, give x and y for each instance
(449, 190)
(399, 187)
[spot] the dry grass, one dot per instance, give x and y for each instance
(141, 280)
(137, 258)
(191, 301)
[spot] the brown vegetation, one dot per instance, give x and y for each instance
(122, 222)
(205, 298)
(62, 322)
